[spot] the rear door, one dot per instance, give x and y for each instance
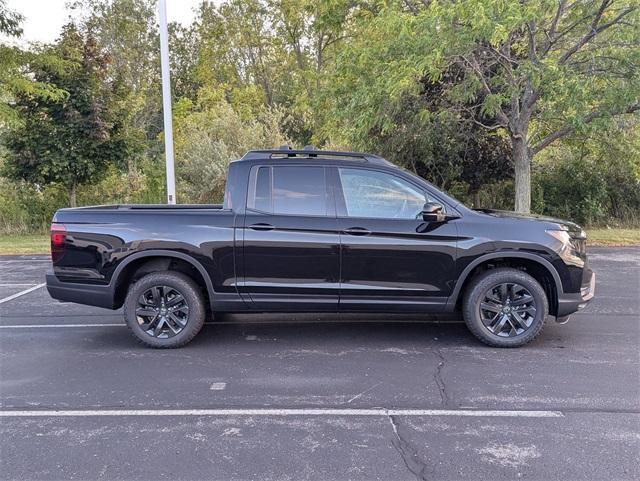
(291, 243)
(391, 259)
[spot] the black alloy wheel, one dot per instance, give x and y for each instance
(508, 309)
(165, 309)
(162, 312)
(505, 307)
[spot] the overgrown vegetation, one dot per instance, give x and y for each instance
(503, 103)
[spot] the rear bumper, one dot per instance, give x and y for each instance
(572, 302)
(90, 294)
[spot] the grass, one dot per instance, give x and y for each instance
(613, 237)
(24, 244)
(39, 243)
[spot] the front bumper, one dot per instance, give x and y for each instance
(568, 303)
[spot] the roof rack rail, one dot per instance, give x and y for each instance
(309, 152)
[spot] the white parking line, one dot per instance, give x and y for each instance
(21, 293)
(281, 412)
(18, 285)
(36, 326)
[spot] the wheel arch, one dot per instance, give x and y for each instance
(543, 271)
(156, 260)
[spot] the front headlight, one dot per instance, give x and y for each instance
(562, 235)
(571, 249)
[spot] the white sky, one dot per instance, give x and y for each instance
(44, 18)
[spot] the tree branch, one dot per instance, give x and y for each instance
(531, 43)
(472, 117)
(587, 119)
(556, 19)
(410, 5)
(476, 68)
(595, 29)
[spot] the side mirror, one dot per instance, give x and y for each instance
(432, 212)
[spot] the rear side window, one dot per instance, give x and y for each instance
(291, 190)
(299, 190)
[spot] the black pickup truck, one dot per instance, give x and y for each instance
(307, 230)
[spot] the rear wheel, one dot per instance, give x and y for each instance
(505, 307)
(164, 309)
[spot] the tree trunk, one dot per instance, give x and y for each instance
(475, 195)
(72, 195)
(522, 164)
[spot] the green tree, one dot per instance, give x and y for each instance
(68, 140)
(209, 137)
(126, 30)
(10, 21)
(536, 70)
(604, 173)
(183, 52)
(310, 34)
(13, 59)
(442, 144)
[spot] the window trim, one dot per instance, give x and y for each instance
(341, 205)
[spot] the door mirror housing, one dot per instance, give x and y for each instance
(432, 212)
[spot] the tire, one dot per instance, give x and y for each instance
(486, 303)
(176, 321)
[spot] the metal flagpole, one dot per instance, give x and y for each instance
(166, 104)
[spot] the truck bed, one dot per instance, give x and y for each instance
(145, 207)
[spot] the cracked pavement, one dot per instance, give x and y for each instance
(586, 372)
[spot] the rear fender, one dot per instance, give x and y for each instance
(161, 264)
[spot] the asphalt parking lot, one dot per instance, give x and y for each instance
(273, 397)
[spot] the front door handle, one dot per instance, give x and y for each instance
(357, 231)
(261, 226)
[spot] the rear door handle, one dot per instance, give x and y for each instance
(261, 226)
(357, 231)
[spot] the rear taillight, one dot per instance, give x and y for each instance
(58, 239)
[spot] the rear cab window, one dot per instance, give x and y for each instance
(289, 190)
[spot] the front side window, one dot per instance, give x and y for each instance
(368, 193)
(292, 190)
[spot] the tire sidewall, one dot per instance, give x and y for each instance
(476, 294)
(185, 286)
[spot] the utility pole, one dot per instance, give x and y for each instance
(166, 103)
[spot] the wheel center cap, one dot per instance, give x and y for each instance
(163, 311)
(506, 309)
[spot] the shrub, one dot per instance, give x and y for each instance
(207, 140)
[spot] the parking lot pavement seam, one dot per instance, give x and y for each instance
(408, 452)
(437, 376)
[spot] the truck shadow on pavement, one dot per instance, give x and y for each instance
(310, 331)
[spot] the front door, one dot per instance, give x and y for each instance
(291, 245)
(391, 259)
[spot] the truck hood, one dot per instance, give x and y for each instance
(568, 225)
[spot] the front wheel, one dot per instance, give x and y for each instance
(164, 309)
(505, 307)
